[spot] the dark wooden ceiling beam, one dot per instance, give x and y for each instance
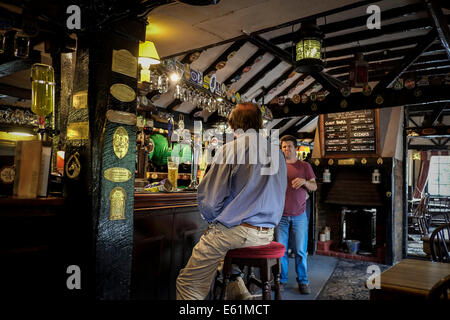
(357, 101)
(270, 47)
(15, 92)
(429, 120)
(355, 22)
(292, 85)
(276, 82)
(383, 45)
(425, 147)
(440, 23)
(15, 65)
(383, 55)
(259, 75)
(173, 104)
(406, 62)
(329, 83)
(247, 63)
(224, 56)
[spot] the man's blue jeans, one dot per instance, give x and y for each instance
(299, 231)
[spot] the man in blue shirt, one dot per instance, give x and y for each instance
(241, 196)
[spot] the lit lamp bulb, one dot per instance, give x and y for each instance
(175, 77)
(147, 56)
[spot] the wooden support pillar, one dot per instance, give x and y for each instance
(100, 160)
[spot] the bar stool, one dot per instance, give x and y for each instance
(266, 258)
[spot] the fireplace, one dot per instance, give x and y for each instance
(360, 224)
(354, 209)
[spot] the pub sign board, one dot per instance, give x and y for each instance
(353, 133)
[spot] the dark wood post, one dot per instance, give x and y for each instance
(100, 160)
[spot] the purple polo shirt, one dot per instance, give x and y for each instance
(295, 202)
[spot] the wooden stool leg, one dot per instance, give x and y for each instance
(250, 276)
(226, 278)
(276, 271)
(265, 279)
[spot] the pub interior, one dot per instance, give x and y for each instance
(96, 97)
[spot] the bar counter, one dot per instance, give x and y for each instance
(166, 228)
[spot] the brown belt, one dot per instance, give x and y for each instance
(254, 227)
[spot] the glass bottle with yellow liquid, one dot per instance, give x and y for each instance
(42, 91)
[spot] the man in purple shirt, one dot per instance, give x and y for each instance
(239, 197)
(301, 179)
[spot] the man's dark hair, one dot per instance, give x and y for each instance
(289, 138)
(246, 116)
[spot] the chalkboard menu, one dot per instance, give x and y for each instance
(353, 132)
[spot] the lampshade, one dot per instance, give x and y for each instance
(147, 54)
(308, 57)
(358, 73)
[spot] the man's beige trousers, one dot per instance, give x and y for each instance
(194, 281)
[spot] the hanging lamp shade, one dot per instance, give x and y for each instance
(148, 54)
(359, 71)
(308, 57)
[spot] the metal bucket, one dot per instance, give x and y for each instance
(353, 246)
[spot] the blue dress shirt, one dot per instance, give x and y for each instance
(237, 188)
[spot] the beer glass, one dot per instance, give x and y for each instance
(172, 168)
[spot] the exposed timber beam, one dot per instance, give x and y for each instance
(440, 23)
(224, 56)
(275, 83)
(430, 120)
(356, 22)
(247, 63)
(270, 47)
(15, 92)
(406, 62)
(329, 83)
(357, 101)
(259, 75)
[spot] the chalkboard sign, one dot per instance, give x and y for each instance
(350, 133)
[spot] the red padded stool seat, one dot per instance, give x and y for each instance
(266, 258)
(272, 250)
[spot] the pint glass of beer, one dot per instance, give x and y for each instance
(172, 168)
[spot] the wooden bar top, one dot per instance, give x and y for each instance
(161, 200)
(17, 207)
(414, 277)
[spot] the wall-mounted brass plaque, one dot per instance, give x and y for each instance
(73, 166)
(80, 100)
(124, 62)
(117, 199)
(363, 160)
(117, 174)
(122, 92)
(120, 142)
(330, 162)
(380, 161)
(78, 130)
(121, 117)
(317, 162)
(346, 162)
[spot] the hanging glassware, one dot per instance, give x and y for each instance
(163, 83)
(21, 45)
(42, 91)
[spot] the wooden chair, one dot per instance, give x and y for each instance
(440, 243)
(420, 217)
(440, 290)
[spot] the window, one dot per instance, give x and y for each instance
(439, 176)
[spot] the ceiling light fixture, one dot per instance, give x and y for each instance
(308, 57)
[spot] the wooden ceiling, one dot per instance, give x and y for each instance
(412, 42)
(255, 38)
